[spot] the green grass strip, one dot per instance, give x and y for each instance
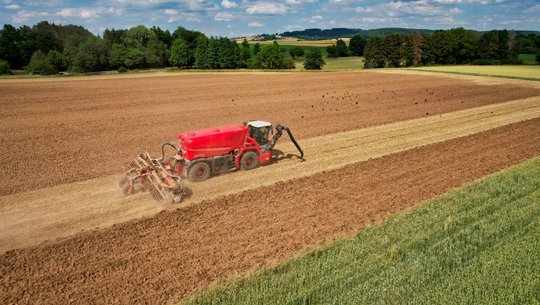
(479, 244)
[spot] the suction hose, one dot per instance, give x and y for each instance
(278, 127)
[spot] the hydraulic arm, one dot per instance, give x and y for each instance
(278, 134)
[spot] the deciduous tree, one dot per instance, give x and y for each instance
(332, 51)
(270, 57)
(341, 48)
(373, 53)
(4, 67)
(56, 60)
(357, 45)
(314, 60)
(117, 55)
(180, 54)
(256, 48)
(38, 64)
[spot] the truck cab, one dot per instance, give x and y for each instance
(259, 131)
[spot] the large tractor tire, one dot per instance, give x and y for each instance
(199, 171)
(249, 160)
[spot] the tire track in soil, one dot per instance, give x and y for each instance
(169, 256)
(30, 218)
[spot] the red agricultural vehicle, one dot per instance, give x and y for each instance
(199, 154)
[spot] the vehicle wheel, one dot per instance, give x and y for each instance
(249, 160)
(199, 171)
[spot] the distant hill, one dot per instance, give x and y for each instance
(318, 34)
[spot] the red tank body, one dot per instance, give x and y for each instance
(212, 142)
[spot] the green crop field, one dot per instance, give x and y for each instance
(306, 48)
(476, 245)
(522, 72)
(300, 42)
(343, 63)
(337, 64)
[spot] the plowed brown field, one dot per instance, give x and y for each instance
(55, 132)
(170, 255)
(373, 141)
(29, 218)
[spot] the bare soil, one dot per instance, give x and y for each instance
(47, 214)
(170, 255)
(54, 132)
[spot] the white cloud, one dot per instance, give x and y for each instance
(520, 21)
(85, 13)
(199, 5)
(462, 1)
(185, 5)
(421, 7)
(171, 12)
(115, 11)
(300, 1)
(344, 1)
(48, 3)
(228, 4)
(13, 7)
(23, 16)
(364, 10)
(314, 19)
(408, 8)
(266, 8)
(533, 9)
(379, 21)
(255, 24)
(88, 12)
(175, 15)
(224, 16)
(445, 21)
(294, 27)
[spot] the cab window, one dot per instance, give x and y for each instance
(259, 134)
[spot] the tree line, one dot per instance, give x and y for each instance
(48, 48)
(454, 46)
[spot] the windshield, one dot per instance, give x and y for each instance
(259, 134)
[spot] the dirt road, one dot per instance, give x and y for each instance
(55, 132)
(168, 256)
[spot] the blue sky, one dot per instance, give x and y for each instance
(234, 18)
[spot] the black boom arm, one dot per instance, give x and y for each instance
(278, 134)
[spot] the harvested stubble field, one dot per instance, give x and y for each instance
(58, 134)
(522, 72)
